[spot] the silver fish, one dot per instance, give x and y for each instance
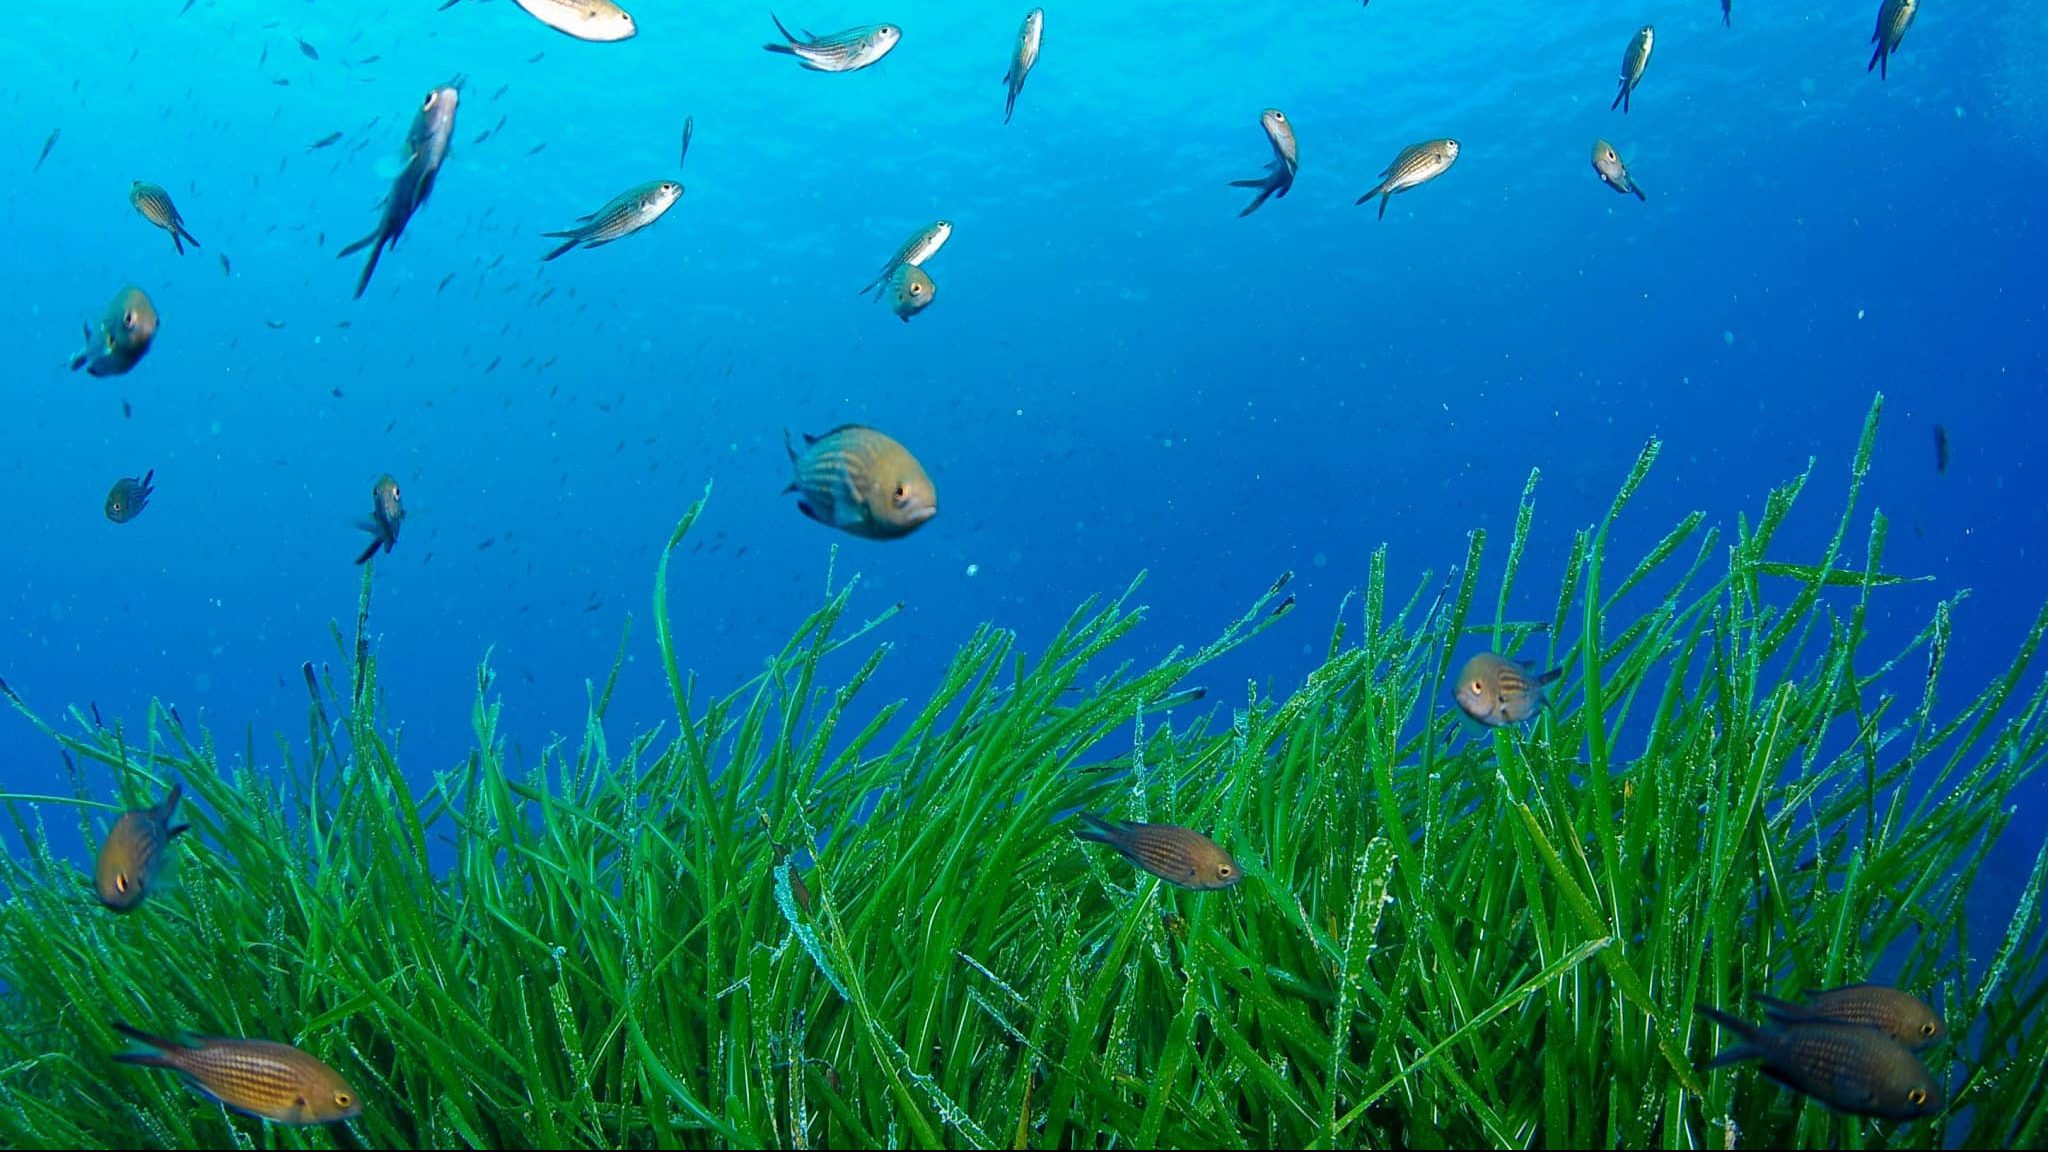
(127, 329)
(1893, 18)
(910, 291)
(1279, 177)
(914, 252)
(597, 21)
(622, 215)
(1634, 59)
(1607, 162)
(155, 205)
(1415, 165)
(1023, 57)
(426, 148)
(848, 51)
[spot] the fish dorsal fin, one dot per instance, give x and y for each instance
(838, 430)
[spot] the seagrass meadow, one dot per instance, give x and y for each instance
(1444, 938)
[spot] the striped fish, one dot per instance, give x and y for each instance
(1634, 59)
(622, 215)
(1177, 855)
(1023, 57)
(862, 481)
(1608, 163)
(1901, 1015)
(155, 205)
(1847, 1067)
(262, 1078)
(848, 51)
(1495, 690)
(914, 252)
(1893, 18)
(1415, 165)
(1279, 177)
(133, 852)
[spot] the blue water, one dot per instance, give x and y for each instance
(1118, 373)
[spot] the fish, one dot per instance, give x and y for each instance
(133, 853)
(426, 148)
(910, 291)
(1725, 20)
(155, 205)
(1893, 18)
(387, 511)
(1848, 1067)
(1413, 166)
(915, 251)
(1940, 449)
(1634, 59)
(848, 51)
(45, 153)
(689, 130)
(621, 216)
(260, 1078)
(324, 141)
(1279, 177)
(1495, 690)
(1175, 854)
(1900, 1015)
(128, 497)
(226, 269)
(862, 481)
(594, 21)
(1607, 162)
(126, 331)
(310, 52)
(1022, 58)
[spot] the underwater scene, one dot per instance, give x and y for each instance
(1310, 574)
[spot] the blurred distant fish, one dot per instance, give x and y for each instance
(426, 148)
(311, 53)
(862, 481)
(1634, 59)
(1725, 21)
(155, 205)
(1901, 1015)
(596, 21)
(45, 153)
(1413, 166)
(324, 141)
(914, 251)
(1607, 162)
(126, 331)
(1848, 1067)
(689, 130)
(1279, 177)
(133, 853)
(847, 51)
(621, 216)
(226, 269)
(386, 513)
(1495, 690)
(910, 291)
(1893, 18)
(262, 1078)
(1179, 855)
(1940, 449)
(1022, 58)
(128, 497)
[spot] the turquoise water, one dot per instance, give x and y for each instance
(1118, 374)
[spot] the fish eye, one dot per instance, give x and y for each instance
(343, 1099)
(1927, 1029)
(128, 318)
(902, 492)
(1918, 1096)
(1224, 871)
(1479, 687)
(429, 105)
(121, 883)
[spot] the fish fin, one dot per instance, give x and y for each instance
(370, 269)
(1384, 197)
(566, 245)
(1255, 182)
(1743, 1029)
(1619, 97)
(1097, 829)
(1784, 1011)
(78, 360)
(1009, 102)
(804, 506)
(369, 552)
(359, 245)
(152, 1059)
(1876, 57)
(170, 804)
(1550, 677)
(178, 241)
(782, 48)
(175, 830)
(781, 29)
(789, 446)
(1638, 190)
(810, 439)
(1265, 190)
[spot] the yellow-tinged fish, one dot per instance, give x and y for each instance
(848, 51)
(1634, 59)
(598, 21)
(1848, 1067)
(1175, 854)
(155, 205)
(1900, 1015)
(262, 1078)
(1495, 690)
(126, 331)
(127, 498)
(622, 215)
(1279, 177)
(426, 148)
(133, 853)
(1607, 162)
(1893, 18)
(1023, 57)
(1415, 165)
(914, 252)
(387, 511)
(910, 291)
(862, 481)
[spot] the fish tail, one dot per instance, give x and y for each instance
(78, 359)
(1098, 830)
(1265, 188)
(1620, 98)
(189, 238)
(370, 269)
(1010, 101)
(359, 245)
(566, 245)
(170, 804)
(1742, 1028)
(151, 1059)
(1877, 56)
(1550, 677)
(1384, 197)
(369, 552)
(785, 49)
(178, 241)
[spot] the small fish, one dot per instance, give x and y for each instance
(1893, 18)
(128, 497)
(155, 205)
(621, 216)
(847, 51)
(426, 148)
(1900, 1015)
(1022, 58)
(1279, 177)
(133, 852)
(1495, 690)
(689, 130)
(1177, 855)
(386, 513)
(1940, 449)
(310, 52)
(915, 251)
(1413, 166)
(1848, 1067)
(323, 142)
(1607, 162)
(1725, 21)
(910, 291)
(862, 481)
(126, 331)
(226, 269)
(261, 1078)
(595, 21)
(45, 153)
(1634, 59)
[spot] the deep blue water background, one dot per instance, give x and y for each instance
(1118, 373)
